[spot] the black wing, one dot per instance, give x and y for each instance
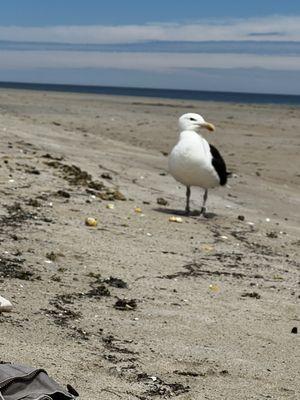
(219, 164)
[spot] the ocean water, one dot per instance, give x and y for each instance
(228, 97)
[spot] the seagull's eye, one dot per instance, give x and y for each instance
(193, 119)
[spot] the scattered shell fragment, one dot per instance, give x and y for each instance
(224, 237)
(91, 221)
(207, 247)
(5, 305)
(278, 277)
(138, 210)
(110, 206)
(176, 219)
(214, 288)
(268, 220)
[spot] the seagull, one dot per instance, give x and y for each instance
(195, 162)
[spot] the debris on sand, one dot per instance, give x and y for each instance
(179, 220)
(214, 288)
(51, 157)
(116, 282)
(73, 174)
(254, 295)
(111, 281)
(12, 268)
(91, 222)
(16, 215)
(62, 315)
(207, 248)
(63, 193)
(157, 387)
(33, 203)
(52, 256)
(98, 291)
(32, 170)
(294, 330)
(125, 304)
(162, 202)
(111, 194)
(5, 305)
(76, 176)
(106, 175)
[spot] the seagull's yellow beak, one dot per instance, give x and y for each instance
(209, 126)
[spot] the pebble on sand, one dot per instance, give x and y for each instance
(91, 222)
(5, 305)
(176, 219)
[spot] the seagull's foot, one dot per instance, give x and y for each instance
(208, 215)
(203, 211)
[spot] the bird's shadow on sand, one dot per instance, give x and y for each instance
(194, 213)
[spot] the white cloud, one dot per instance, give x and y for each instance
(143, 61)
(280, 28)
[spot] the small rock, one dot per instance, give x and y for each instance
(294, 330)
(106, 175)
(91, 222)
(161, 201)
(241, 217)
(176, 219)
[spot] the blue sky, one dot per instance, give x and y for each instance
(192, 44)
(89, 12)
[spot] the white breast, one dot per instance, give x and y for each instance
(190, 161)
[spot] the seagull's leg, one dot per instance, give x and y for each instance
(203, 209)
(188, 195)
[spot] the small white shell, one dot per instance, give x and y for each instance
(5, 305)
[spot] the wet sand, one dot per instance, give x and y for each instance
(210, 304)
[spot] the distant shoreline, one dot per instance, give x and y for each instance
(227, 97)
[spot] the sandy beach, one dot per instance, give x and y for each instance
(139, 307)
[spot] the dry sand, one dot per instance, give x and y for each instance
(216, 299)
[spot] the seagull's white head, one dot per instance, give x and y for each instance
(193, 122)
